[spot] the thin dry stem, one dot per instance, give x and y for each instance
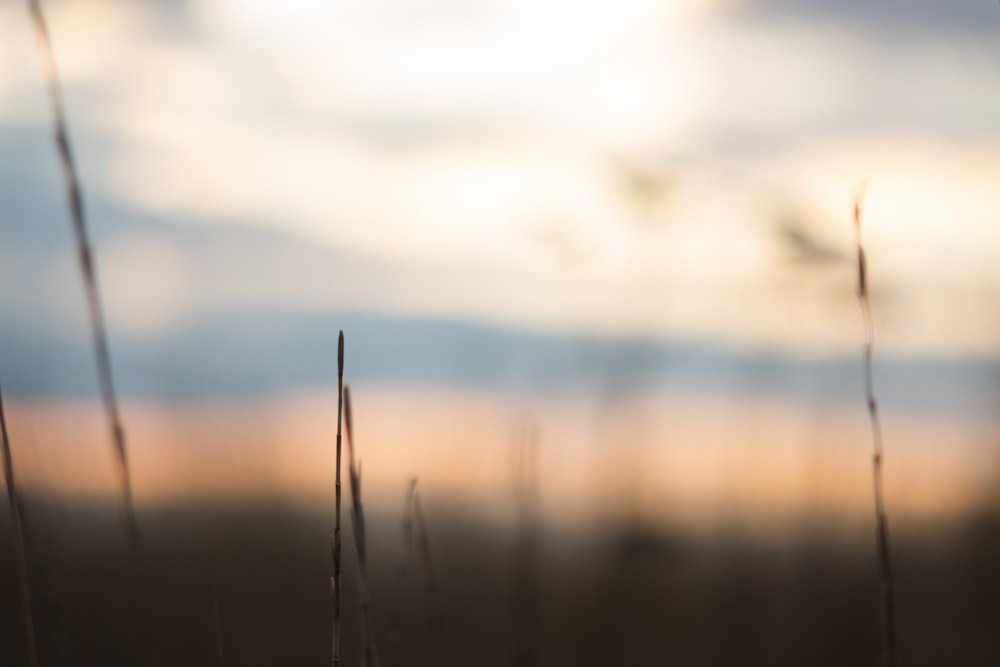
(218, 619)
(360, 543)
(88, 268)
(404, 561)
(881, 517)
(524, 450)
(335, 538)
(424, 542)
(19, 546)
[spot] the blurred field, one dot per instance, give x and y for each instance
(611, 593)
(686, 529)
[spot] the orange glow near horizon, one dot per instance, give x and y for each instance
(697, 461)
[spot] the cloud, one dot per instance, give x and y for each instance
(884, 16)
(468, 166)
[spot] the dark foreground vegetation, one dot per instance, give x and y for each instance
(611, 595)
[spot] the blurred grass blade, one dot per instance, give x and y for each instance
(19, 546)
(88, 270)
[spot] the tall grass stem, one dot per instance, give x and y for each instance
(424, 543)
(524, 451)
(881, 517)
(335, 538)
(19, 544)
(218, 620)
(404, 562)
(360, 542)
(88, 269)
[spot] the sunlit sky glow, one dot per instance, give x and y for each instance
(755, 461)
(622, 167)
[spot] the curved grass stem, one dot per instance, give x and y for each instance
(881, 517)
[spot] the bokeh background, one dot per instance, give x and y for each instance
(625, 224)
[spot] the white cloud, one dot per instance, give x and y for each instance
(503, 200)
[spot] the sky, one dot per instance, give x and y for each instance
(604, 204)
(677, 169)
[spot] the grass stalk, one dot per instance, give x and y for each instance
(360, 543)
(424, 543)
(19, 546)
(335, 538)
(404, 561)
(218, 620)
(881, 517)
(524, 449)
(88, 269)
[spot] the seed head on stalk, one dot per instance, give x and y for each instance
(881, 517)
